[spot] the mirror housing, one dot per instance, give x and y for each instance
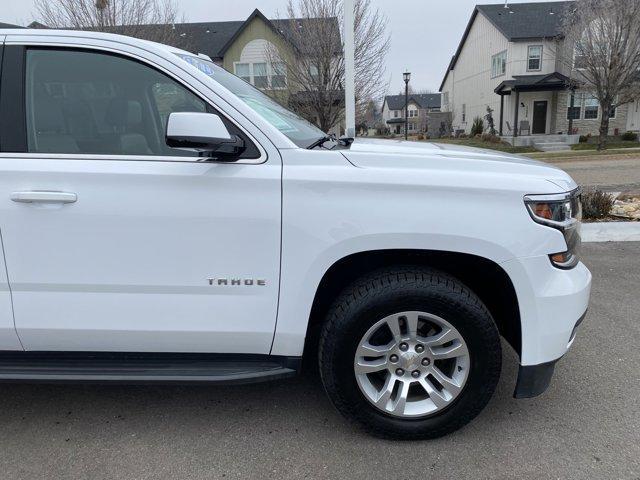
(204, 133)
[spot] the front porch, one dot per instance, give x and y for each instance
(545, 143)
(529, 111)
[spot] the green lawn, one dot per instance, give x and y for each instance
(476, 142)
(583, 154)
(611, 144)
(614, 146)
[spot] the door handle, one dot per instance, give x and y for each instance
(38, 196)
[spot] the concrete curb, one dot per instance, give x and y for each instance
(611, 232)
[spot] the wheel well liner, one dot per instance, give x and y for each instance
(484, 277)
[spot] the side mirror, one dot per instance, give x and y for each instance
(204, 133)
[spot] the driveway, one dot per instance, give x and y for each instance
(585, 426)
(612, 173)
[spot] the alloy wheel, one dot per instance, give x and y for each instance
(411, 364)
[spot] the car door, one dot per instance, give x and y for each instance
(115, 242)
(8, 337)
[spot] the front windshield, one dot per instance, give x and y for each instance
(297, 129)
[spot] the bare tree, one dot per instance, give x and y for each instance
(606, 37)
(148, 19)
(414, 91)
(312, 56)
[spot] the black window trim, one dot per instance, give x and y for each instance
(13, 128)
(1, 56)
(18, 129)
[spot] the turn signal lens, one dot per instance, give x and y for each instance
(543, 210)
(564, 260)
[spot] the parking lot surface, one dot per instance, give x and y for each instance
(586, 426)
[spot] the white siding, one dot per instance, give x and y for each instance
(388, 114)
(470, 82)
(633, 118)
(255, 51)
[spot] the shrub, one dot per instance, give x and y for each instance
(596, 204)
(478, 127)
(584, 138)
(488, 137)
(629, 137)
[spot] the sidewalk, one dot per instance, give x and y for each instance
(610, 232)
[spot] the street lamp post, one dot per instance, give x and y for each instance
(407, 77)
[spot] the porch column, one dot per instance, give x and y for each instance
(501, 112)
(572, 101)
(515, 115)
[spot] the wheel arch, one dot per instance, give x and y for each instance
(483, 276)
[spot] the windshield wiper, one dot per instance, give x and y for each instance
(321, 141)
(342, 141)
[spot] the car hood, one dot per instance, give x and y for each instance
(401, 154)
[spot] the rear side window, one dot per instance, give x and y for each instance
(81, 102)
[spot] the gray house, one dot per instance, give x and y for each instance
(513, 59)
(421, 107)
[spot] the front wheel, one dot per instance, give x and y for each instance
(409, 353)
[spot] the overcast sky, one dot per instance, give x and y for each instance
(424, 33)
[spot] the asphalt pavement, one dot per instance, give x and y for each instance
(587, 426)
(612, 173)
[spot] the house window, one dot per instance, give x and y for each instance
(262, 75)
(574, 113)
(499, 64)
(464, 113)
(614, 109)
(278, 75)
(315, 74)
(260, 78)
(396, 114)
(591, 107)
(413, 112)
(579, 58)
(534, 58)
(243, 70)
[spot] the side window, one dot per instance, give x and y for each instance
(80, 102)
(169, 97)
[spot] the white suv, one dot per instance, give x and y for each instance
(163, 221)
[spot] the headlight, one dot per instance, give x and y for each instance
(563, 212)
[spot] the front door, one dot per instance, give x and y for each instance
(115, 242)
(8, 337)
(539, 117)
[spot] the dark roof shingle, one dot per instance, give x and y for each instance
(9, 25)
(424, 100)
(527, 20)
(202, 37)
(214, 38)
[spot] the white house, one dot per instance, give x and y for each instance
(510, 59)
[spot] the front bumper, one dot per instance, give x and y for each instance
(552, 303)
(533, 380)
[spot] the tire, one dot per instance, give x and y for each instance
(401, 289)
